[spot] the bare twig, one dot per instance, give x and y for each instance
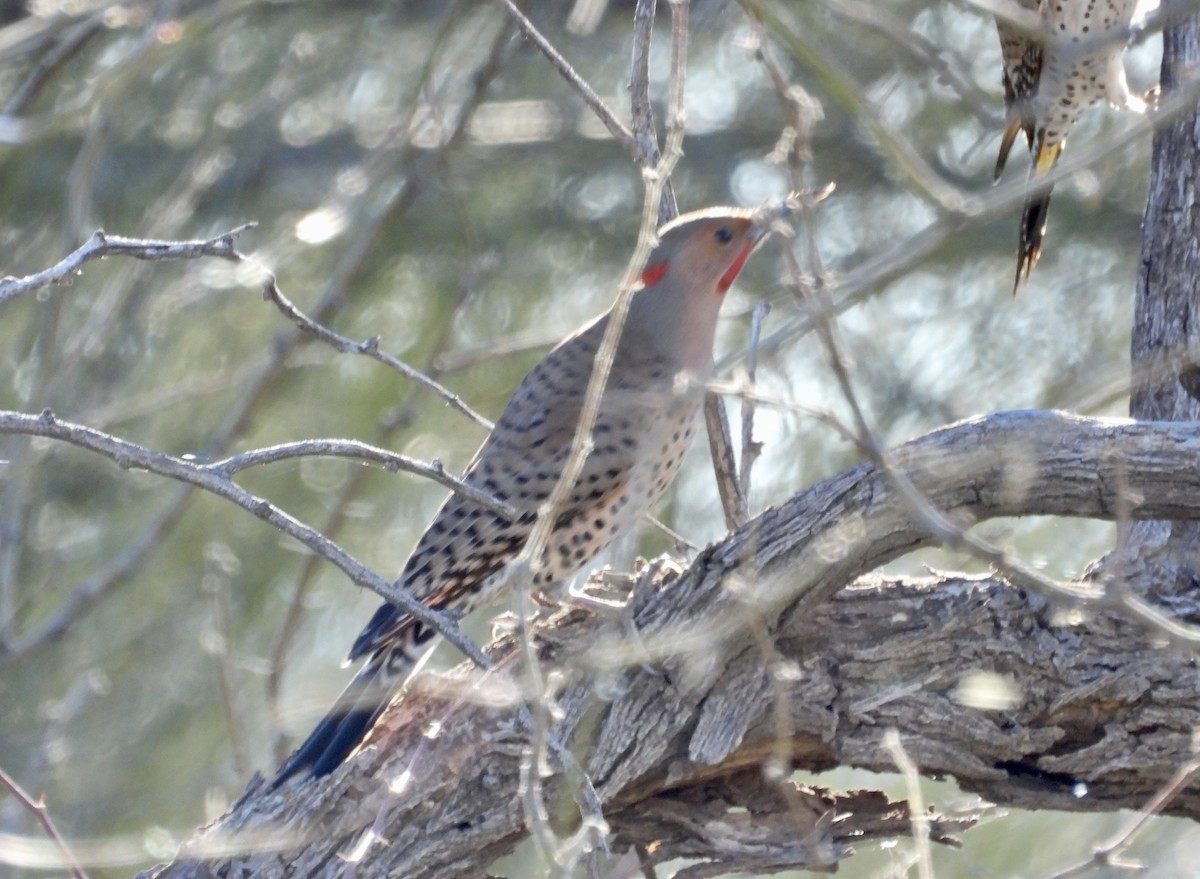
(845, 290)
(682, 544)
(751, 448)
(928, 55)
(614, 125)
(657, 202)
(130, 455)
(905, 159)
(93, 589)
(368, 347)
(742, 391)
(645, 132)
(67, 46)
(101, 245)
(916, 803)
(720, 447)
(38, 809)
(360, 451)
(1109, 854)
(277, 664)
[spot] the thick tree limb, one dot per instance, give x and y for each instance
(1100, 713)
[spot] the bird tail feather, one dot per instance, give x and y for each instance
(1033, 217)
(342, 730)
(1015, 126)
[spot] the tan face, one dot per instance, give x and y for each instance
(697, 259)
(712, 251)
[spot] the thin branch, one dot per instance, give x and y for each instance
(132, 456)
(904, 158)
(682, 544)
(101, 245)
(118, 571)
(368, 347)
(360, 451)
(658, 206)
(916, 803)
(277, 664)
(720, 447)
(751, 448)
(743, 391)
(67, 46)
(927, 54)
(614, 125)
(645, 132)
(38, 809)
(1108, 855)
(856, 285)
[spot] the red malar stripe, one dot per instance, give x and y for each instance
(727, 279)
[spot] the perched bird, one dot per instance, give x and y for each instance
(1058, 61)
(645, 423)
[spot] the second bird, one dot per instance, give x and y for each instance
(645, 423)
(1056, 65)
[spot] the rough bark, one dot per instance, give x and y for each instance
(1165, 349)
(674, 727)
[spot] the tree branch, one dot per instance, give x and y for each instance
(1077, 736)
(102, 245)
(130, 455)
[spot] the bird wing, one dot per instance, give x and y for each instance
(519, 463)
(1022, 53)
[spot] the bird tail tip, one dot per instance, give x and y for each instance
(1037, 208)
(343, 729)
(1029, 245)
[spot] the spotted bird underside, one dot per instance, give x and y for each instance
(642, 430)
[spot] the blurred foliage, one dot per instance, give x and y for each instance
(333, 126)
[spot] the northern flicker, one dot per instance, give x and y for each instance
(645, 423)
(1056, 65)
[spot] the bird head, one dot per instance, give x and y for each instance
(704, 250)
(695, 262)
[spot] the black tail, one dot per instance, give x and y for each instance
(345, 726)
(1033, 227)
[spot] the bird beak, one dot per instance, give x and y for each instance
(774, 217)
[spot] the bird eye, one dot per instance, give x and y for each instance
(723, 235)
